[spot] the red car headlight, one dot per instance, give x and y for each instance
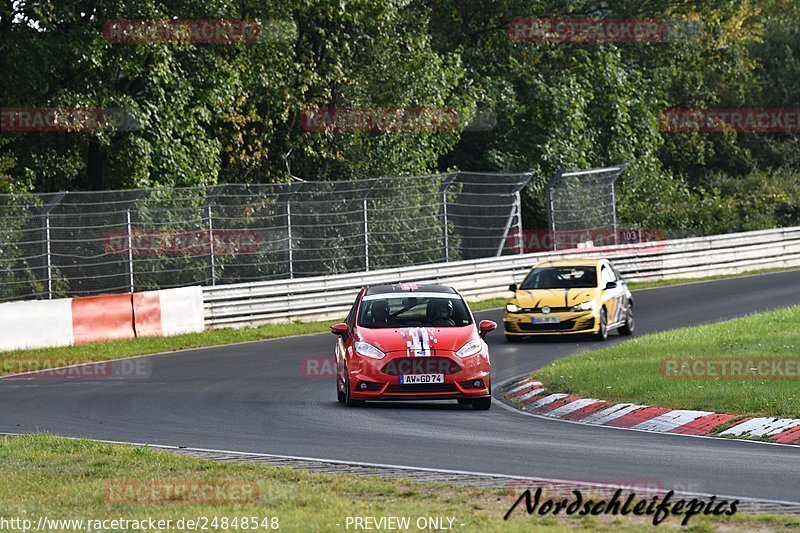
(368, 350)
(472, 347)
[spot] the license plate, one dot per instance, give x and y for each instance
(421, 379)
(546, 320)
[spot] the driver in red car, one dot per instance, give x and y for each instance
(380, 313)
(441, 313)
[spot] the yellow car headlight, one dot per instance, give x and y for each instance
(512, 308)
(585, 306)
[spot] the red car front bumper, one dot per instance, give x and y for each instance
(465, 378)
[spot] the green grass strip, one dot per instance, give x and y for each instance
(633, 371)
(57, 478)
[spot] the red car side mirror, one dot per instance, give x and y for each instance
(486, 326)
(339, 329)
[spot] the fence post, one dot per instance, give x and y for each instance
(614, 214)
(622, 168)
(551, 219)
(366, 236)
(445, 228)
(287, 197)
(520, 240)
(516, 210)
(49, 259)
(130, 247)
(209, 202)
(211, 245)
(366, 223)
(502, 244)
(134, 197)
(46, 208)
(289, 236)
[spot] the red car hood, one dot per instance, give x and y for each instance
(423, 341)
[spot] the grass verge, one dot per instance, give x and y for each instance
(57, 478)
(633, 372)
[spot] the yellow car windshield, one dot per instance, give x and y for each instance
(561, 277)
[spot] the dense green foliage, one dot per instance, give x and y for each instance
(231, 113)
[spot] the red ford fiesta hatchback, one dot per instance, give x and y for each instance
(412, 342)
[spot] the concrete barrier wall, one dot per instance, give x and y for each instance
(181, 310)
(71, 321)
(102, 318)
(36, 324)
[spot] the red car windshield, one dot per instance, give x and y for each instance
(401, 311)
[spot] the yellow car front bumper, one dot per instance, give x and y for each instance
(522, 324)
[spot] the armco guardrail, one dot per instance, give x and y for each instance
(330, 297)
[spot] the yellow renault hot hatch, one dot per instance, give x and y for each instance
(585, 296)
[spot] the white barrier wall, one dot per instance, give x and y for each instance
(69, 321)
(181, 310)
(36, 324)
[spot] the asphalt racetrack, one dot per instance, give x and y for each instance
(254, 397)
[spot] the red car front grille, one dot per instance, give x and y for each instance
(438, 387)
(421, 365)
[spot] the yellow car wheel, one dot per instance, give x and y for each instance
(629, 325)
(602, 330)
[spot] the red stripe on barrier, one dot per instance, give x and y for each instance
(102, 318)
(703, 425)
(790, 436)
(583, 412)
(147, 314)
(637, 417)
(556, 404)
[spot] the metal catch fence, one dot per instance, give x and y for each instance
(581, 207)
(81, 243)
